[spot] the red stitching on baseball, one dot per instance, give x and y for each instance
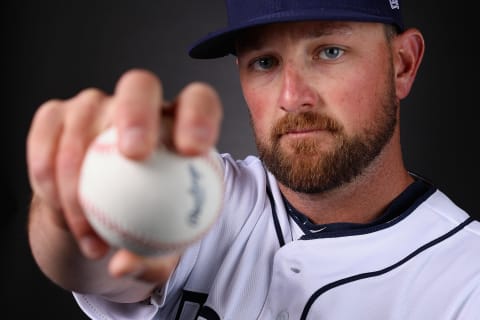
(103, 218)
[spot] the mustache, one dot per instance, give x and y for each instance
(305, 121)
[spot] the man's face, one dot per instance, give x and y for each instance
(321, 97)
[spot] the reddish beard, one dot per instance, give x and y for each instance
(307, 166)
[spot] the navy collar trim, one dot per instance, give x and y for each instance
(399, 208)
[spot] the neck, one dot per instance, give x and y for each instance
(360, 201)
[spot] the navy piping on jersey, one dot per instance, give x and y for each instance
(278, 229)
(401, 207)
(361, 276)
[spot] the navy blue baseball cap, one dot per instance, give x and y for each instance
(243, 14)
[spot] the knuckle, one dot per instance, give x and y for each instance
(139, 85)
(69, 156)
(47, 110)
(203, 99)
(140, 74)
(91, 95)
(39, 150)
(85, 107)
(88, 100)
(203, 90)
(41, 171)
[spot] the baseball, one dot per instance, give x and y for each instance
(149, 207)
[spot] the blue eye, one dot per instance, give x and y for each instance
(331, 53)
(264, 63)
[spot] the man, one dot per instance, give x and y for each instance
(326, 224)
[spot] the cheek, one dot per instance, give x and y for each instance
(360, 98)
(260, 108)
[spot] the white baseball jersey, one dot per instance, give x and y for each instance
(263, 260)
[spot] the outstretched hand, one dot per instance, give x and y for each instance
(62, 130)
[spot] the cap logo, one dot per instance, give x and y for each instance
(394, 4)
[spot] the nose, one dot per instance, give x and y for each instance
(297, 91)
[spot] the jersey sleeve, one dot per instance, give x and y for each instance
(199, 262)
(98, 308)
(470, 309)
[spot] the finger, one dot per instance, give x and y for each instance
(138, 97)
(198, 119)
(155, 270)
(87, 116)
(42, 142)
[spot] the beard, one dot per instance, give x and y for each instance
(308, 167)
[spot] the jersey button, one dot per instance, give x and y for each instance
(282, 316)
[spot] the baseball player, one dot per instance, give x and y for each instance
(326, 223)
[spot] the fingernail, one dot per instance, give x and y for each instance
(133, 140)
(196, 140)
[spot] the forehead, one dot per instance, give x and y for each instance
(255, 37)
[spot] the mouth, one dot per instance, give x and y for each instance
(305, 132)
(300, 131)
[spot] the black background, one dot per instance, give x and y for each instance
(52, 49)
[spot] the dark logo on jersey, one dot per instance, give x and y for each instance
(198, 194)
(196, 300)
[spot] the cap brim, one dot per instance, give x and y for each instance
(222, 43)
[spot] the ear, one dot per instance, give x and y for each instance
(408, 48)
